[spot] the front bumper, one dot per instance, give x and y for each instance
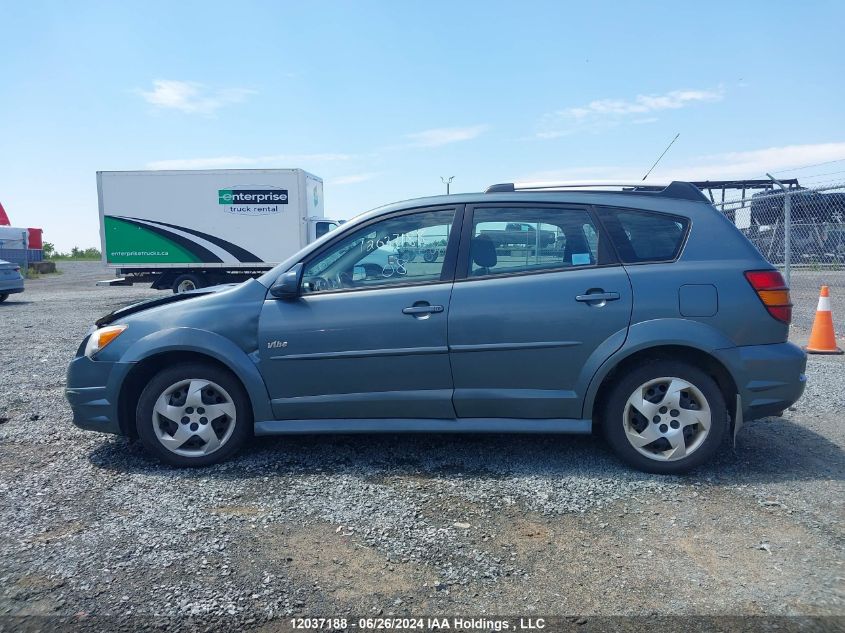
(769, 378)
(93, 389)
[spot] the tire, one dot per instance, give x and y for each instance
(4, 296)
(682, 439)
(164, 415)
(187, 282)
(407, 255)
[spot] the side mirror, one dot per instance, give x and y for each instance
(287, 286)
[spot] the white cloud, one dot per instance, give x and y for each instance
(232, 162)
(754, 163)
(779, 161)
(353, 179)
(220, 162)
(192, 97)
(577, 174)
(445, 135)
(604, 113)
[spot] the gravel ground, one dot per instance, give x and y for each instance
(805, 285)
(334, 525)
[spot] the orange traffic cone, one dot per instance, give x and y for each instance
(822, 338)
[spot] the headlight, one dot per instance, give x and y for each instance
(102, 337)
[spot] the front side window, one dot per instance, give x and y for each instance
(524, 239)
(399, 250)
(644, 236)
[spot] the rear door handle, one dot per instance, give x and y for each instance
(422, 310)
(598, 296)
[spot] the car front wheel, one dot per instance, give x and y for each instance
(665, 417)
(193, 414)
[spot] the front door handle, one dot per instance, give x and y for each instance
(423, 309)
(598, 296)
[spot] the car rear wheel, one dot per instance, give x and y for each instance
(665, 417)
(193, 414)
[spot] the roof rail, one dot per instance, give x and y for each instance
(676, 189)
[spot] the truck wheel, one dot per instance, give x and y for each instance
(193, 414)
(665, 417)
(187, 282)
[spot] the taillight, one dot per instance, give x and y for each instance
(17, 269)
(771, 288)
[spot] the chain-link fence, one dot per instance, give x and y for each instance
(802, 232)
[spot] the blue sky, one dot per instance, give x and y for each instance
(382, 98)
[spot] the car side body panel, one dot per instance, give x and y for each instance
(715, 294)
(221, 324)
(653, 334)
(518, 344)
(783, 376)
(213, 345)
(423, 425)
(357, 354)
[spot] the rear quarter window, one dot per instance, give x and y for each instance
(645, 236)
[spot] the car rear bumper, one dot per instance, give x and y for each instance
(93, 388)
(10, 288)
(769, 378)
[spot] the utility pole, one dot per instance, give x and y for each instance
(447, 182)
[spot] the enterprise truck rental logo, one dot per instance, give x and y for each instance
(251, 200)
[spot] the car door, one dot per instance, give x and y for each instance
(367, 336)
(528, 326)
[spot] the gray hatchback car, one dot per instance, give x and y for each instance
(11, 280)
(642, 313)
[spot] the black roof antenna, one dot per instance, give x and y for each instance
(662, 155)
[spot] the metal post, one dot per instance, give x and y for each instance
(25, 235)
(787, 229)
(447, 182)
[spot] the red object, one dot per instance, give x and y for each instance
(773, 292)
(4, 219)
(35, 238)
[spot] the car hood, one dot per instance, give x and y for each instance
(148, 304)
(230, 311)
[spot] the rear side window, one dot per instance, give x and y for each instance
(508, 240)
(645, 236)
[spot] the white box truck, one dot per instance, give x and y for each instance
(192, 228)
